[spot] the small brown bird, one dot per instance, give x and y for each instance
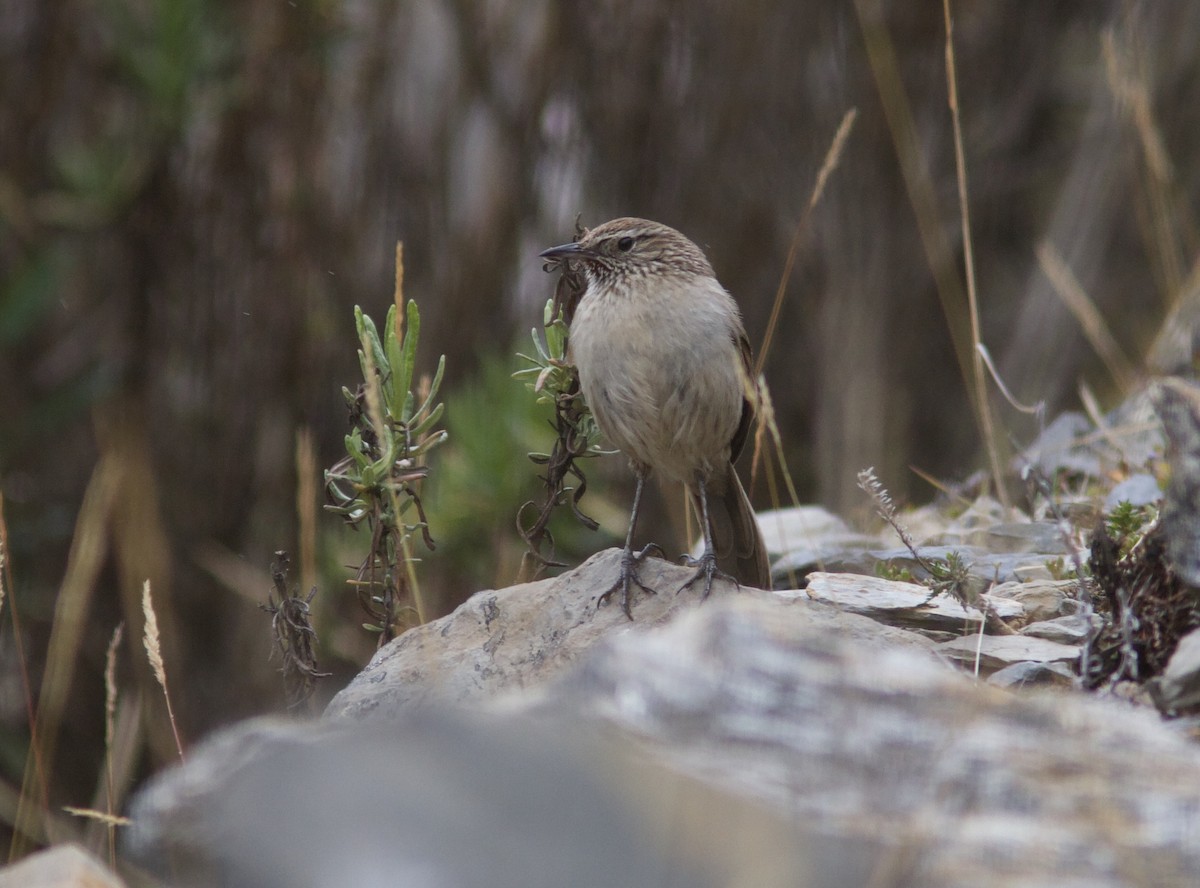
(664, 365)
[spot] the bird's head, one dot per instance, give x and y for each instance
(629, 247)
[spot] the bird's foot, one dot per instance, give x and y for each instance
(628, 577)
(706, 569)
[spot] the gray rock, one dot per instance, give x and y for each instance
(1073, 629)
(1071, 444)
(1043, 599)
(1177, 689)
(897, 603)
(832, 555)
(802, 527)
(875, 762)
(441, 797)
(1058, 448)
(1131, 430)
(1139, 490)
(1044, 538)
(970, 785)
(524, 635)
(994, 652)
(1026, 675)
(963, 529)
(804, 538)
(62, 866)
(1178, 406)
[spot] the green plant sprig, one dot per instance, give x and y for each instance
(1128, 524)
(555, 382)
(374, 483)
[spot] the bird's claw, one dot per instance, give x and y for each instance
(628, 576)
(706, 567)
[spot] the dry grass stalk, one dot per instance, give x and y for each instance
(885, 506)
(885, 70)
(89, 549)
(110, 820)
(925, 202)
(1170, 228)
(110, 684)
(990, 441)
(1095, 330)
(1130, 90)
(307, 473)
(406, 549)
(768, 424)
(832, 156)
(3, 554)
(1172, 345)
(1128, 84)
(766, 413)
(757, 388)
(153, 647)
(1031, 409)
(110, 714)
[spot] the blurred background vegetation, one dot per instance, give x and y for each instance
(195, 193)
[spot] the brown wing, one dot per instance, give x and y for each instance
(748, 399)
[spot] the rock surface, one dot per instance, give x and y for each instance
(1178, 406)
(897, 603)
(847, 751)
(444, 797)
(521, 636)
(815, 736)
(1073, 629)
(998, 651)
(1043, 599)
(1177, 690)
(1028, 674)
(968, 786)
(63, 866)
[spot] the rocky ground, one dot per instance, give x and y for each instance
(1013, 725)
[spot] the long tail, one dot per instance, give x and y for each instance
(736, 539)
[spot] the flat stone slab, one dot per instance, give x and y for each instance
(1072, 629)
(998, 651)
(890, 601)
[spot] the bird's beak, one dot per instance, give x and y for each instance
(564, 251)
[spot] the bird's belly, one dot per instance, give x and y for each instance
(665, 397)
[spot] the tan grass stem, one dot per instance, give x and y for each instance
(153, 646)
(982, 405)
(832, 156)
(110, 718)
(307, 473)
(1091, 322)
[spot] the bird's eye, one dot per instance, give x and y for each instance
(625, 244)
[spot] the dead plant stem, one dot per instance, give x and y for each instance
(960, 162)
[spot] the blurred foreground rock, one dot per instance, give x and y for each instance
(1178, 688)
(754, 739)
(64, 866)
(1177, 404)
(441, 797)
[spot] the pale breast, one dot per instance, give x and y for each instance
(660, 371)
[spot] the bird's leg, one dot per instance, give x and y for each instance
(706, 564)
(629, 560)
